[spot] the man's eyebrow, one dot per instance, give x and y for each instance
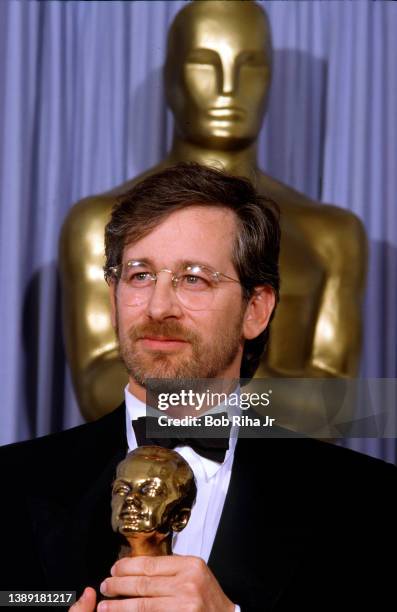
(144, 260)
(181, 263)
(196, 262)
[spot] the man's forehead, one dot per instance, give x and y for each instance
(195, 234)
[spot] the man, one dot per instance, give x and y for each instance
(279, 524)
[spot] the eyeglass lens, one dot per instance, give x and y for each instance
(193, 285)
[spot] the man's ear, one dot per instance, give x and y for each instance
(258, 312)
(181, 519)
(113, 299)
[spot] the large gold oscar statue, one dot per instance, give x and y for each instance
(217, 74)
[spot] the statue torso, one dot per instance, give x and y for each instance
(314, 247)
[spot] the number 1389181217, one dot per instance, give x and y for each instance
(37, 598)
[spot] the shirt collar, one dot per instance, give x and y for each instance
(136, 409)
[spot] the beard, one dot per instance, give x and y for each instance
(206, 359)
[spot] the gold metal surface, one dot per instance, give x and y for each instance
(218, 74)
(152, 497)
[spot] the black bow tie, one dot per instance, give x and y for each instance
(210, 448)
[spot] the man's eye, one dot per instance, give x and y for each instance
(140, 278)
(192, 281)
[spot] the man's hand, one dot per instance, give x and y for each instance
(163, 584)
(86, 603)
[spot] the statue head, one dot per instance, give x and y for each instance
(218, 71)
(154, 491)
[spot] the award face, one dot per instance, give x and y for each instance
(152, 496)
(218, 73)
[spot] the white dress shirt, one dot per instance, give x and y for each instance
(212, 480)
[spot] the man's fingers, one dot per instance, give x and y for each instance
(163, 584)
(139, 586)
(86, 603)
(154, 566)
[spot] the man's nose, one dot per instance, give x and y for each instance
(163, 302)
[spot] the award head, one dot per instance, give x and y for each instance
(154, 491)
(218, 72)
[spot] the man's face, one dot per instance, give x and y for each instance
(162, 338)
(143, 492)
(218, 74)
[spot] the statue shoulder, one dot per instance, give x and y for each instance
(303, 210)
(94, 210)
(339, 239)
(334, 234)
(339, 228)
(284, 195)
(84, 225)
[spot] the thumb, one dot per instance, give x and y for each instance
(86, 603)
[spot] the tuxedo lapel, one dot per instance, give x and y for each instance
(75, 540)
(256, 549)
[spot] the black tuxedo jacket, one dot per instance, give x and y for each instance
(305, 525)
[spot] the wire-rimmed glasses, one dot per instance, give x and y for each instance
(194, 284)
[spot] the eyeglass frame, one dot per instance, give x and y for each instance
(174, 278)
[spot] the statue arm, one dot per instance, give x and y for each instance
(91, 347)
(335, 346)
(331, 324)
(337, 335)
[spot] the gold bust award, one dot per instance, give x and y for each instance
(217, 76)
(152, 497)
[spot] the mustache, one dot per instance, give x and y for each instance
(165, 329)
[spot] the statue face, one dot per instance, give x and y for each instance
(144, 494)
(218, 73)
